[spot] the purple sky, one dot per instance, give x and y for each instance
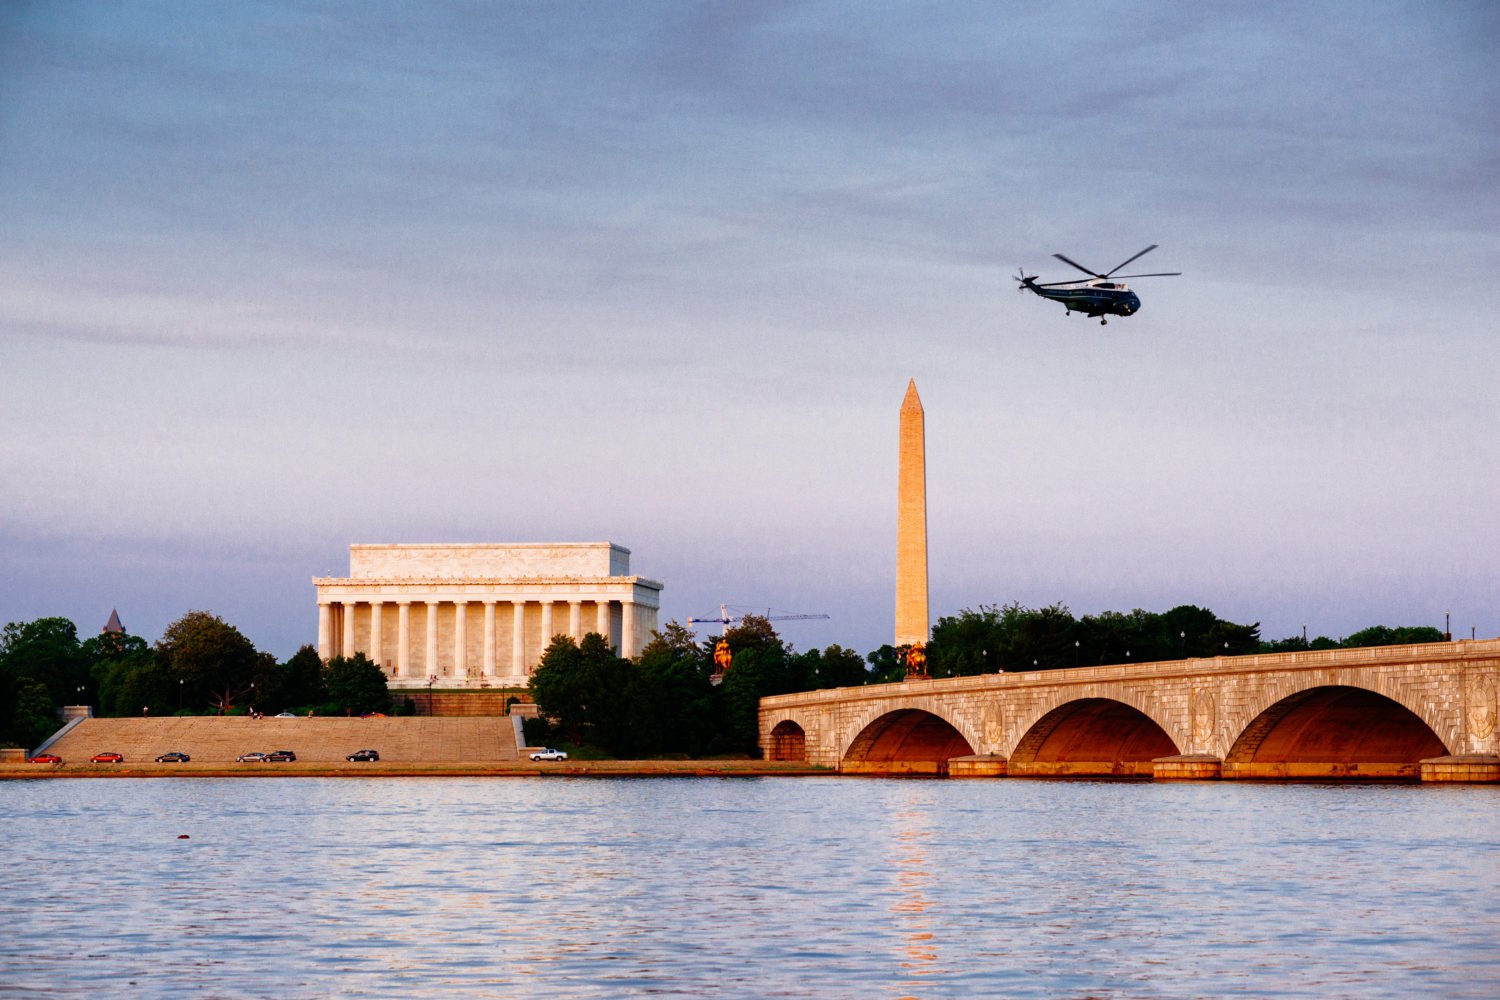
(275, 278)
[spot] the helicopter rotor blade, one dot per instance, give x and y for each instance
(1136, 257)
(1158, 274)
(1054, 284)
(1091, 274)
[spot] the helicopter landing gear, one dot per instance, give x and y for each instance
(1104, 322)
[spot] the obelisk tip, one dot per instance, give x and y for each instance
(911, 399)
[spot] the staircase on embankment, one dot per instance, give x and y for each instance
(210, 739)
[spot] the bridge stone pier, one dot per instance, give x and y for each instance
(1425, 712)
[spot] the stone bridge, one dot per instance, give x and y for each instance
(1386, 712)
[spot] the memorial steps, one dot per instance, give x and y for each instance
(217, 739)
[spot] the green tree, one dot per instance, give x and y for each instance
(215, 662)
(617, 703)
(886, 665)
(356, 684)
(673, 711)
(761, 667)
(46, 650)
(827, 668)
(1401, 635)
(1113, 637)
(971, 642)
(42, 666)
(1014, 637)
(34, 717)
(302, 680)
(1199, 632)
(1375, 635)
(569, 683)
(754, 675)
(128, 677)
(841, 667)
(1297, 644)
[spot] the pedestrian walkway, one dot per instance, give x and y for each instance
(210, 739)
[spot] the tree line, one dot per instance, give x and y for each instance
(1016, 638)
(200, 664)
(665, 702)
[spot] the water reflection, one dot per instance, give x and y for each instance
(909, 861)
(746, 888)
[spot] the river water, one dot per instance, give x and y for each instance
(736, 887)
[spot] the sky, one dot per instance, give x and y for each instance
(276, 278)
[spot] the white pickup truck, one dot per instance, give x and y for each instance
(549, 754)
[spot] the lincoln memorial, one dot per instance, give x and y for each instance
(479, 616)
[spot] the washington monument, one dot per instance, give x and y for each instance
(911, 525)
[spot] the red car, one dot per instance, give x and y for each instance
(44, 758)
(107, 758)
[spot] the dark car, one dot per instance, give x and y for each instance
(173, 757)
(281, 755)
(44, 758)
(364, 755)
(107, 758)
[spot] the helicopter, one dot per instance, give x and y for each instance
(1101, 295)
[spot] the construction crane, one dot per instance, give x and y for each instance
(722, 656)
(726, 619)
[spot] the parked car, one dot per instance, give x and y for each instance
(284, 715)
(253, 757)
(549, 754)
(173, 757)
(364, 755)
(280, 755)
(44, 758)
(107, 758)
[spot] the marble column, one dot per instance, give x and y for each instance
(348, 644)
(377, 635)
(575, 620)
(518, 638)
(627, 629)
(403, 638)
(489, 639)
(601, 621)
(460, 638)
(325, 630)
(547, 632)
(430, 661)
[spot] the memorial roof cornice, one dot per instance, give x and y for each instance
(412, 546)
(482, 581)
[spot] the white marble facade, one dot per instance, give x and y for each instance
(479, 616)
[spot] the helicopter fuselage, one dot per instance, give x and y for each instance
(1092, 298)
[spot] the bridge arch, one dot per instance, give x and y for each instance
(904, 740)
(1334, 731)
(788, 742)
(1092, 737)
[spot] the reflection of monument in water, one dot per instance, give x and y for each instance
(912, 624)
